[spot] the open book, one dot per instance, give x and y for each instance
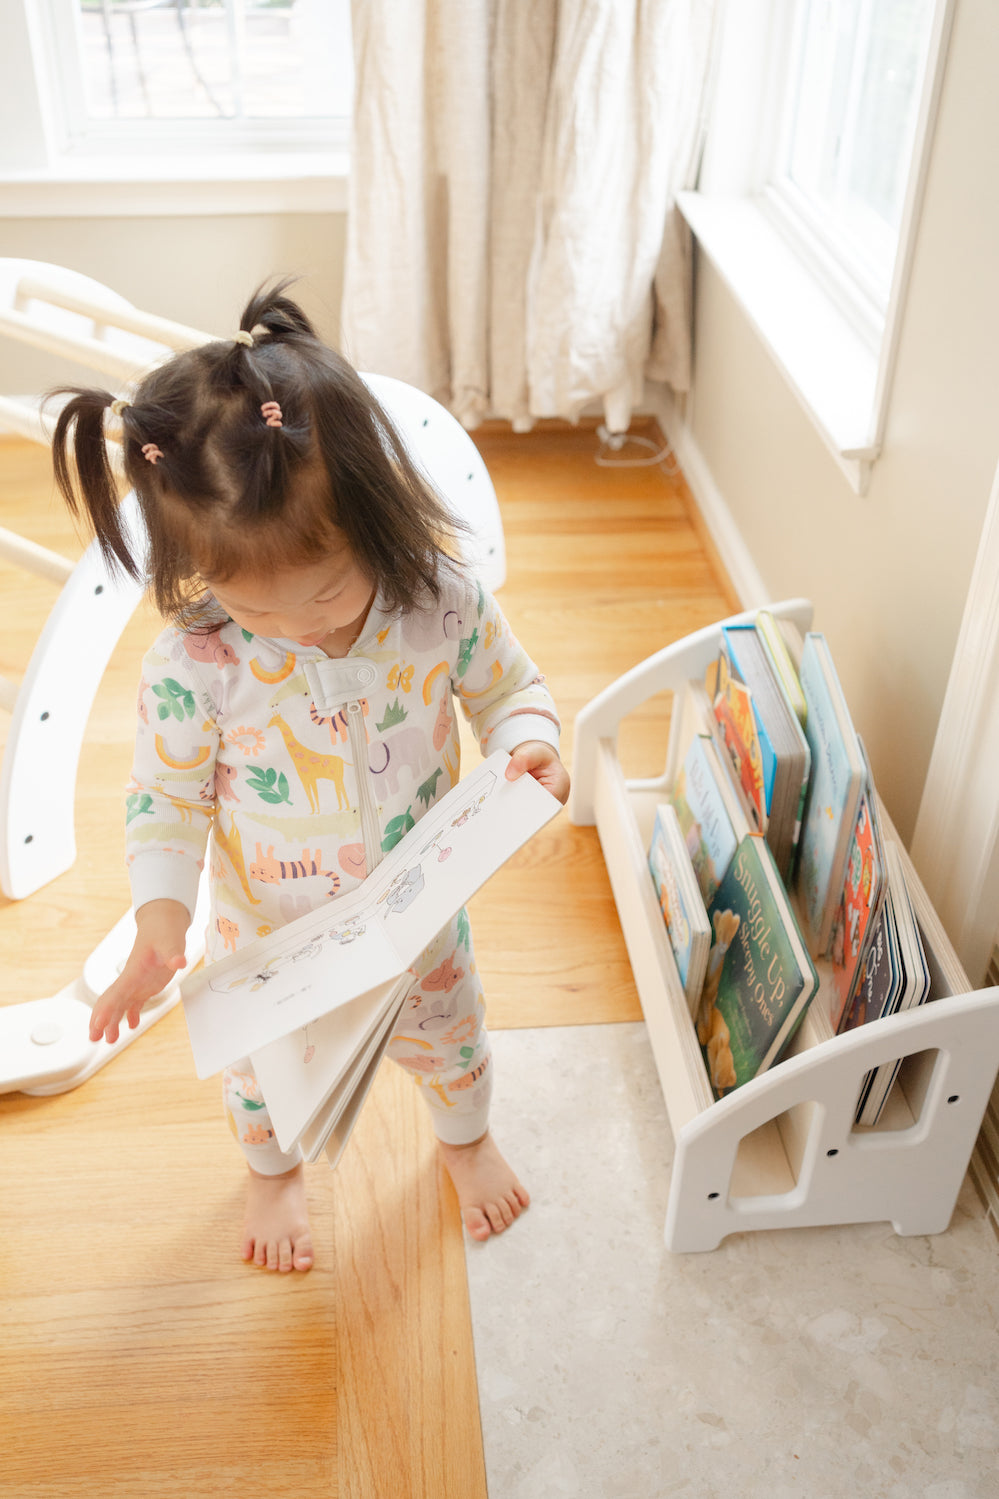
(314, 1004)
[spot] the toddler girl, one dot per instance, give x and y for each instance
(300, 707)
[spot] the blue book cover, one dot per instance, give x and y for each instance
(836, 783)
(703, 817)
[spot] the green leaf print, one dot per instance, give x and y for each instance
(269, 785)
(247, 634)
(393, 715)
(136, 804)
(466, 652)
(466, 1053)
(397, 829)
(464, 930)
(428, 790)
(482, 598)
(177, 701)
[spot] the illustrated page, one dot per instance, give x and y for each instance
(361, 941)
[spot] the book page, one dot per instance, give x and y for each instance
(361, 941)
(297, 1072)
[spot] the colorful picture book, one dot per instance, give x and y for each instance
(834, 791)
(760, 978)
(859, 903)
(895, 978)
(313, 1005)
(711, 817)
(680, 902)
(764, 739)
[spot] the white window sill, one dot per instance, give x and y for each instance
(162, 187)
(833, 371)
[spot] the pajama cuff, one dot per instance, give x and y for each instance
(518, 729)
(163, 876)
(461, 1129)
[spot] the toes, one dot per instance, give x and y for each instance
(284, 1255)
(249, 1247)
(302, 1257)
(477, 1223)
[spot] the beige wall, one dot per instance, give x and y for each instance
(198, 270)
(888, 572)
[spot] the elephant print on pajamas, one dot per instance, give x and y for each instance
(404, 748)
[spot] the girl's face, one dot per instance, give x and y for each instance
(309, 604)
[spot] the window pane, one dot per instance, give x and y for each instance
(856, 89)
(215, 59)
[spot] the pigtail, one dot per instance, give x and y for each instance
(84, 475)
(274, 313)
(260, 370)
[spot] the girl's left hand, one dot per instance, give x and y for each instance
(535, 757)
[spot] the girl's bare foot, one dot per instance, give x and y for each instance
(489, 1194)
(276, 1227)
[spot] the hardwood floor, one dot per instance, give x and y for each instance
(143, 1358)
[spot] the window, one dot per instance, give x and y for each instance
(851, 107)
(810, 186)
(196, 75)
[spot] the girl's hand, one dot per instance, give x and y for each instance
(535, 757)
(157, 954)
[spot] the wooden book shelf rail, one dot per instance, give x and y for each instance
(783, 1150)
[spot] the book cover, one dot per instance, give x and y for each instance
(880, 978)
(911, 988)
(859, 903)
(760, 978)
(703, 813)
(753, 761)
(271, 1000)
(680, 901)
(779, 739)
(836, 784)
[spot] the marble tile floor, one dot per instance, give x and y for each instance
(806, 1363)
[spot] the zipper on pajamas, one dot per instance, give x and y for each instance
(370, 829)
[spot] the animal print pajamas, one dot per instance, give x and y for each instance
(305, 769)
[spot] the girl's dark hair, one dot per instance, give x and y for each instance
(230, 494)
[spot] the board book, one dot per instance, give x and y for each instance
(765, 741)
(837, 781)
(313, 1004)
(760, 978)
(680, 901)
(860, 901)
(895, 978)
(711, 818)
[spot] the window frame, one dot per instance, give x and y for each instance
(773, 253)
(159, 167)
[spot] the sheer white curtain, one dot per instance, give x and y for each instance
(512, 245)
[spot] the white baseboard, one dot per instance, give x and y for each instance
(732, 549)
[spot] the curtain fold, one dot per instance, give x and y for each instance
(512, 247)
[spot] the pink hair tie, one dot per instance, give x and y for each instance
(271, 413)
(151, 452)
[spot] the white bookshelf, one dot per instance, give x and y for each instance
(782, 1150)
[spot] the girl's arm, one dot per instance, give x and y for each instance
(505, 698)
(157, 954)
(172, 800)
